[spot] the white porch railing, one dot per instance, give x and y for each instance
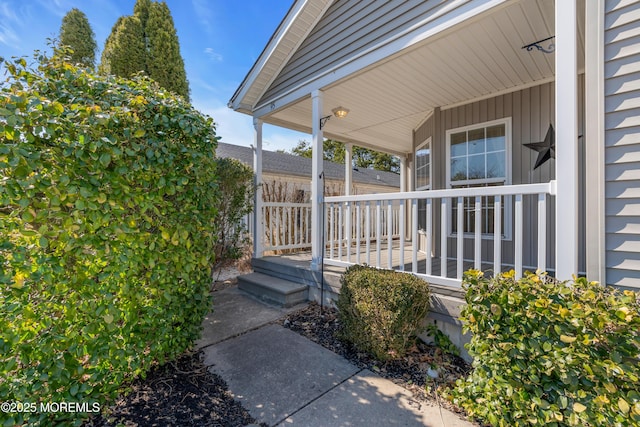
(287, 226)
(359, 230)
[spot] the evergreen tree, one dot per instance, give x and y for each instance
(124, 50)
(164, 62)
(76, 33)
(147, 41)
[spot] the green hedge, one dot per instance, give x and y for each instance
(382, 311)
(107, 193)
(551, 353)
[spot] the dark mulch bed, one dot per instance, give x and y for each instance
(180, 393)
(185, 393)
(411, 372)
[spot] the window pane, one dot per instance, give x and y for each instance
(459, 144)
(495, 138)
(459, 169)
(423, 158)
(495, 165)
(476, 141)
(476, 167)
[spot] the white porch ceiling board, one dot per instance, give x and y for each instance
(536, 62)
(389, 99)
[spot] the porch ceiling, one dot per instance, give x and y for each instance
(478, 58)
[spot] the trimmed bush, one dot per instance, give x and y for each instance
(551, 353)
(382, 311)
(107, 194)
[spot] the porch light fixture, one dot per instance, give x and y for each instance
(339, 112)
(536, 45)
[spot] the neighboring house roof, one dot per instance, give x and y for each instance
(289, 164)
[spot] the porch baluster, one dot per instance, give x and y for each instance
(460, 239)
(368, 231)
(389, 235)
(518, 237)
(340, 227)
(444, 207)
(358, 230)
(414, 235)
(497, 235)
(429, 238)
(477, 257)
(542, 232)
(402, 233)
(348, 231)
(378, 231)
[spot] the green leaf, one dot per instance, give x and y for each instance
(579, 407)
(623, 405)
(105, 159)
(139, 133)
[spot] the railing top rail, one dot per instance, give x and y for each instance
(504, 190)
(286, 204)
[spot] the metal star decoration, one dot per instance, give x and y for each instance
(546, 149)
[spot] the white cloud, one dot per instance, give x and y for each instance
(216, 57)
(204, 14)
(8, 21)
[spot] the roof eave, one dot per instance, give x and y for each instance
(238, 101)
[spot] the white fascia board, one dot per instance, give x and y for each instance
(272, 46)
(450, 15)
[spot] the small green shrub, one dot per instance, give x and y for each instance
(551, 353)
(107, 195)
(236, 188)
(382, 311)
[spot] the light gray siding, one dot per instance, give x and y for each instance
(622, 142)
(348, 29)
(531, 111)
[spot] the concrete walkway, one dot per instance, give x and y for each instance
(284, 379)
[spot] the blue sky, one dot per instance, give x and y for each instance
(219, 41)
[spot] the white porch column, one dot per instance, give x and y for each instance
(403, 173)
(317, 183)
(348, 168)
(258, 232)
(566, 87)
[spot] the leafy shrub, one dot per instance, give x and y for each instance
(107, 192)
(236, 188)
(549, 352)
(382, 311)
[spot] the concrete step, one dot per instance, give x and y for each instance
(275, 290)
(297, 272)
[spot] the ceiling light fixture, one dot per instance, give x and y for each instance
(339, 112)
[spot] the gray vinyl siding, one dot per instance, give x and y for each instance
(622, 142)
(531, 111)
(348, 29)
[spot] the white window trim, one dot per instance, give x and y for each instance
(507, 121)
(415, 154)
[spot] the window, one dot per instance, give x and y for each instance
(477, 156)
(423, 178)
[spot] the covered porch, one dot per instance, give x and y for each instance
(449, 89)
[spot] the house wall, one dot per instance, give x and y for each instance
(531, 111)
(351, 27)
(622, 142)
